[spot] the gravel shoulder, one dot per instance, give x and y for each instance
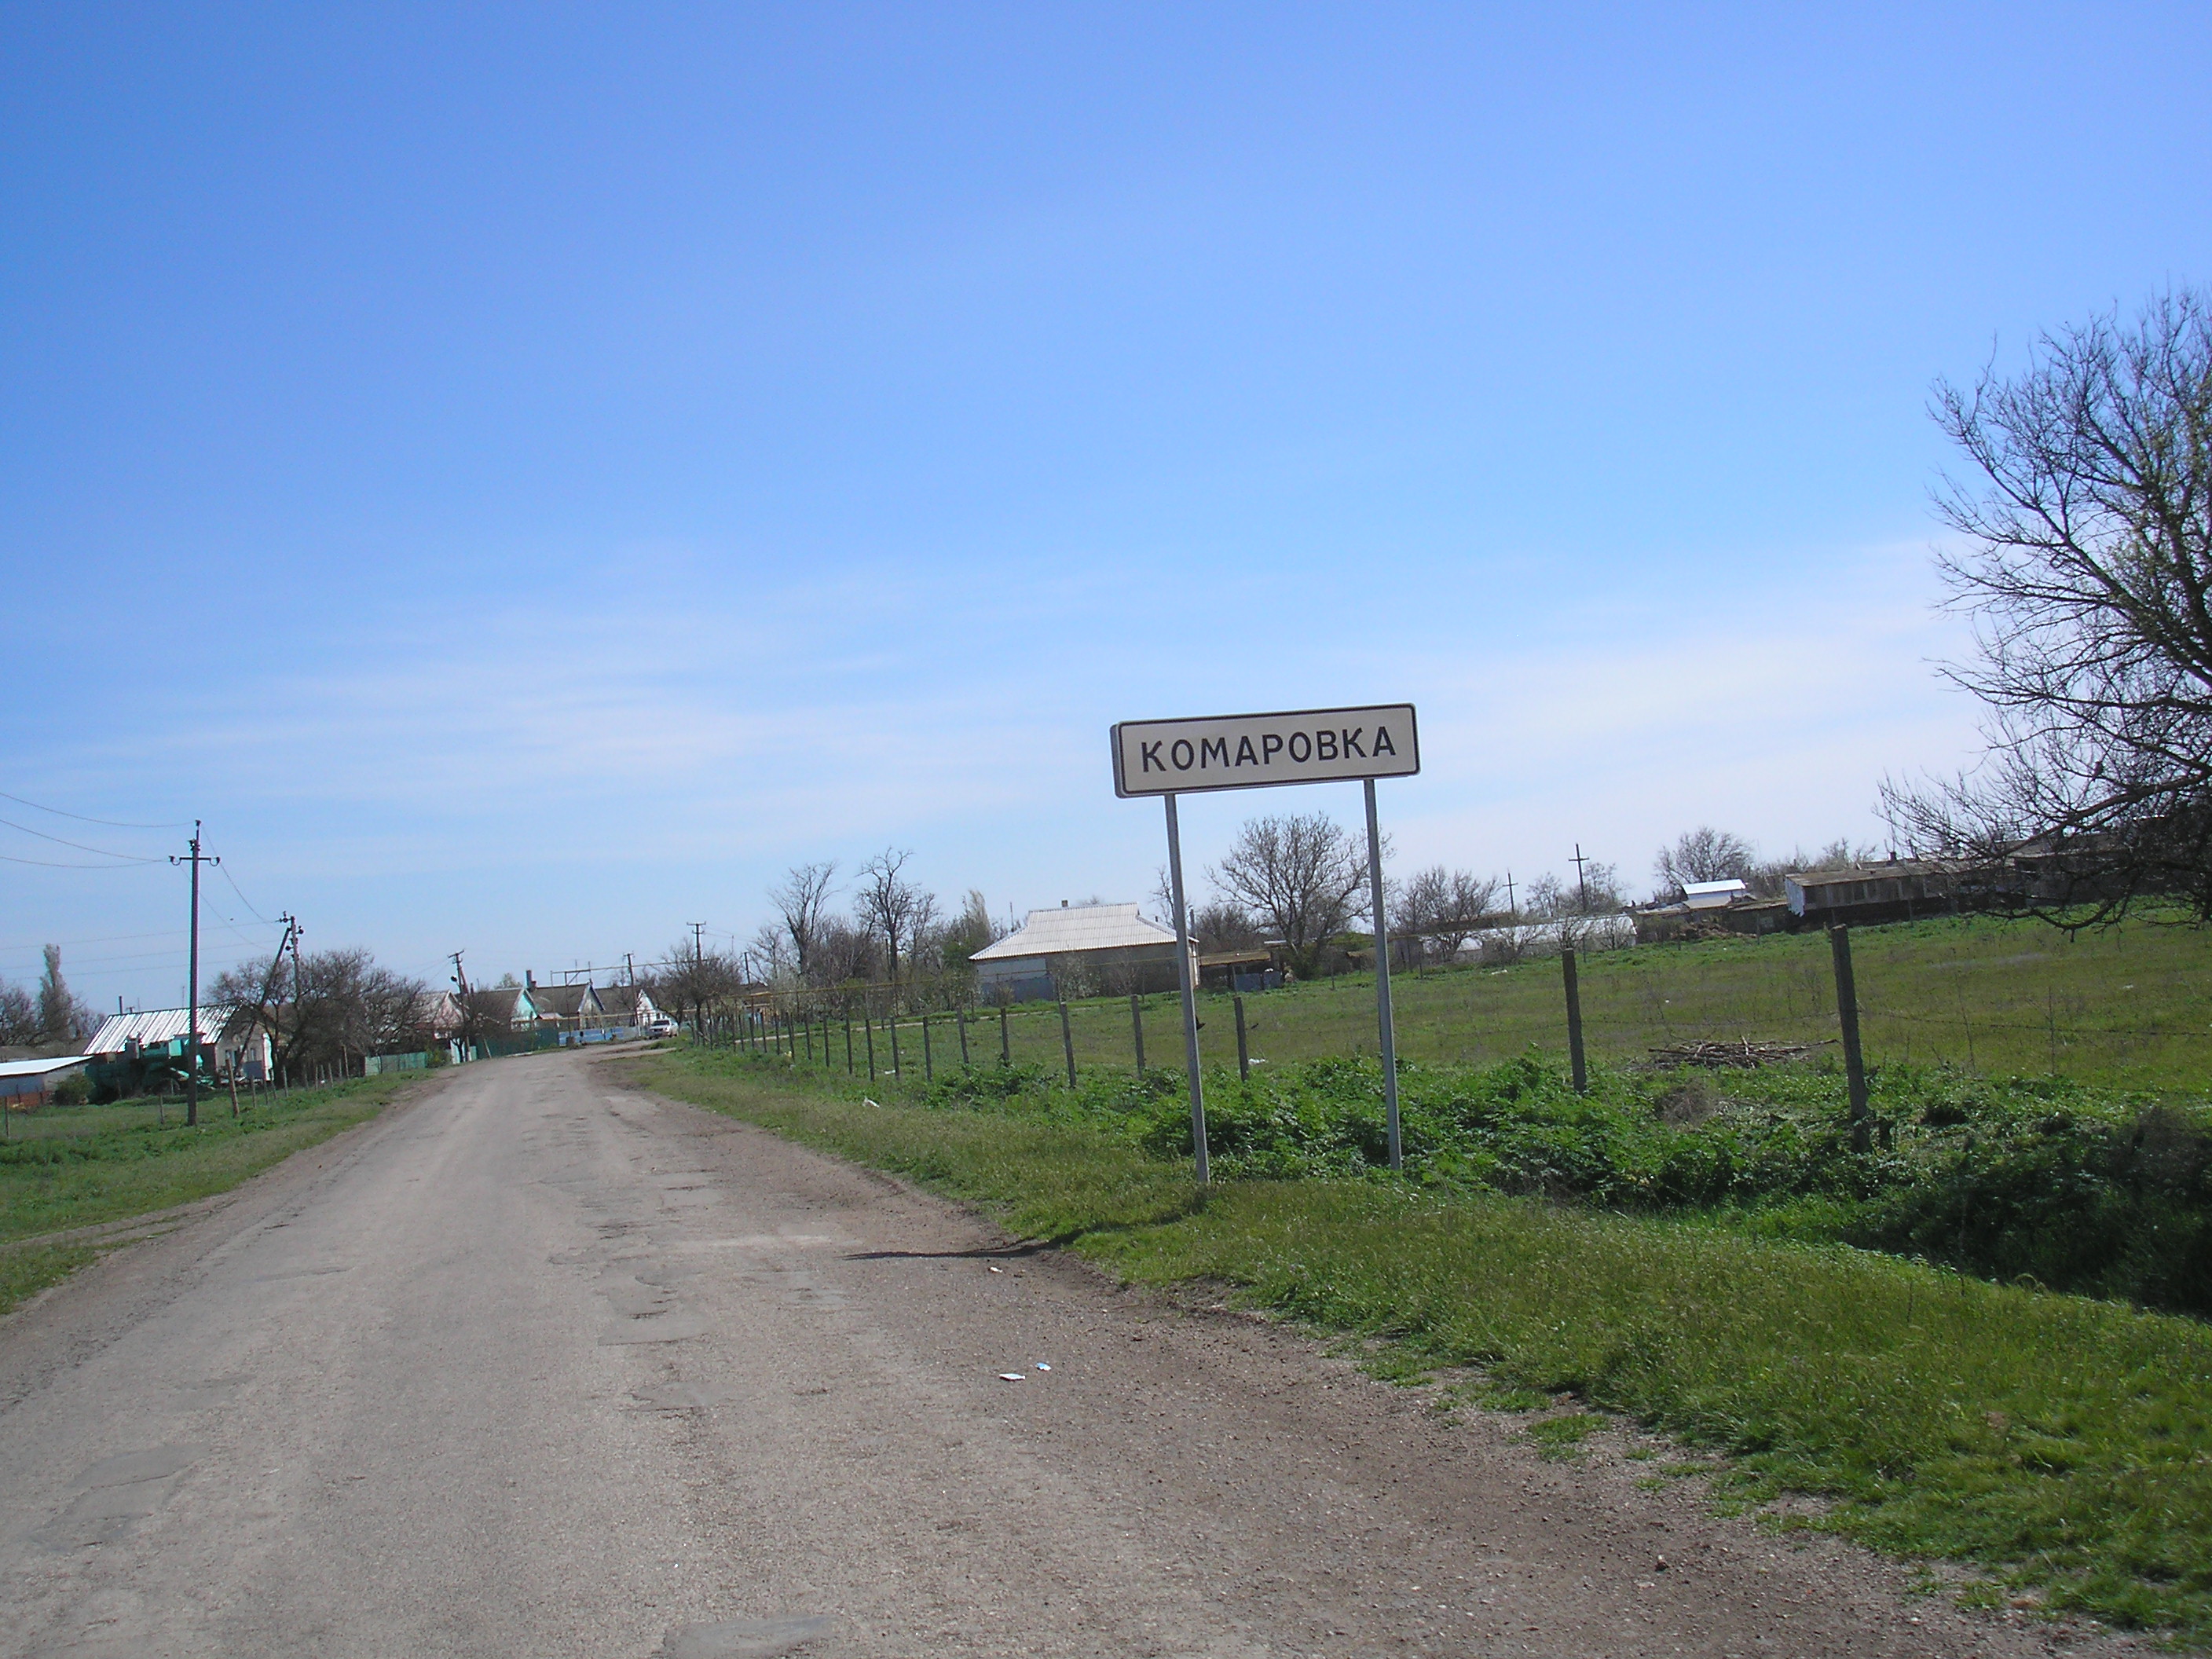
(539, 1364)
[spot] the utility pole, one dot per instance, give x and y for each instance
(1512, 911)
(1582, 880)
(299, 995)
(195, 858)
(261, 1009)
(629, 964)
(698, 990)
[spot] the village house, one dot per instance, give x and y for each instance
(626, 1006)
(233, 1043)
(563, 1008)
(1077, 950)
(503, 1008)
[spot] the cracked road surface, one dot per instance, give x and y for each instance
(537, 1364)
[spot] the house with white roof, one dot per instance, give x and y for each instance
(231, 1041)
(1078, 950)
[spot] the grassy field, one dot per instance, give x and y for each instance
(78, 1166)
(2129, 1006)
(2060, 1445)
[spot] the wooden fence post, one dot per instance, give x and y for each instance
(1847, 1015)
(1005, 1051)
(960, 1017)
(1243, 1054)
(1574, 1021)
(868, 1032)
(928, 1065)
(1068, 1042)
(1137, 1030)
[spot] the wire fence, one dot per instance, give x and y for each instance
(2133, 1011)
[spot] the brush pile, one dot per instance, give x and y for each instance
(1743, 1055)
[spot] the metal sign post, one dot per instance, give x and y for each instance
(1383, 1021)
(1189, 992)
(1256, 752)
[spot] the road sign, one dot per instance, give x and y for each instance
(1168, 759)
(1252, 751)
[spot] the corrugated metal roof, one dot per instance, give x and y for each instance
(39, 1068)
(156, 1026)
(1066, 931)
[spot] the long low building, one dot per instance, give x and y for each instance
(25, 1083)
(1078, 951)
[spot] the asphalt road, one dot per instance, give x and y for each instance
(536, 1365)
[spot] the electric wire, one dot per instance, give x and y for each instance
(242, 899)
(112, 823)
(55, 863)
(132, 857)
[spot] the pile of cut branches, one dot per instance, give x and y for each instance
(1743, 1056)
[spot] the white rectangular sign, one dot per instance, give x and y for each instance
(1250, 752)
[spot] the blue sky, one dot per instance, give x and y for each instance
(526, 476)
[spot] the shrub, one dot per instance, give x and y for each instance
(2080, 1189)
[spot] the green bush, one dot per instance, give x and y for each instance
(2092, 1190)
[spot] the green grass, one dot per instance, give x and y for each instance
(80, 1166)
(2129, 1006)
(2061, 1445)
(24, 1270)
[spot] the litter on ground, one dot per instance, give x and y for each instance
(1012, 1376)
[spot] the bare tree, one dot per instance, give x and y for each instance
(2086, 519)
(19, 1016)
(843, 953)
(1302, 874)
(889, 905)
(1223, 925)
(1441, 908)
(769, 958)
(344, 1006)
(802, 901)
(694, 978)
(1162, 898)
(1595, 892)
(1704, 854)
(1219, 924)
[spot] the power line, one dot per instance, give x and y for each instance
(51, 864)
(59, 841)
(111, 823)
(242, 899)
